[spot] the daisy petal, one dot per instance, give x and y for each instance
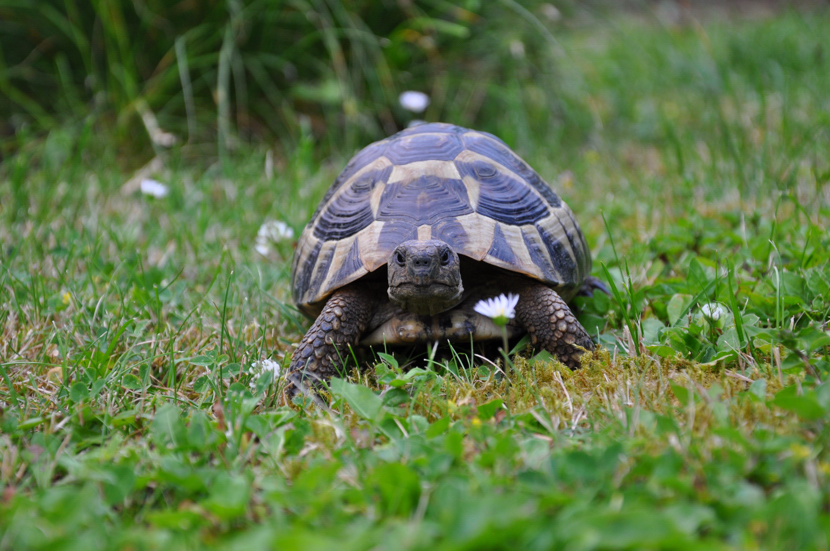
(501, 308)
(417, 102)
(153, 188)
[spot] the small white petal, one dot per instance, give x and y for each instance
(153, 188)
(417, 102)
(266, 365)
(712, 311)
(272, 231)
(275, 230)
(270, 365)
(497, 307)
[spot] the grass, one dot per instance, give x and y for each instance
(215, 76)
(136, 412)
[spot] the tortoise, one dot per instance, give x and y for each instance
(415, 231)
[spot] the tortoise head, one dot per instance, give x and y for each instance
(425, 277)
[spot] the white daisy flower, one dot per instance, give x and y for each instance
(715, 314)
(272, 231)
(154, 188)
(417, 102)
(713, 311)
(260, 368)
(267, 365)
(501, 308)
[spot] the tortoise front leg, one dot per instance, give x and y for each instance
(326, 344)
(551, 324)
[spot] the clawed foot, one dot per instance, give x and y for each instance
(327, 343)
(551, 324)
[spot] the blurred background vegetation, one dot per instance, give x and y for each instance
(131, 78)
(219, 73)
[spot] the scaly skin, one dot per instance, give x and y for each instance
(325, 346)
(551, 324)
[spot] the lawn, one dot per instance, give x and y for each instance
(143, 337)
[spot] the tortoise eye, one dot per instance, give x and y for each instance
(399, 258)
(445, 258)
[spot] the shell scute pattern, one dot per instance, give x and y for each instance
(503, 197)
(394, 233)
(438, 181)
(350, 211)
(424, 200)
(452, 233)
(322, 266)
(433, 128)
(364, 157)
(305, 257)
(501, 248)
(351, 264)
(425, 147)
(490, 146)
(560, 251)
(537, 250)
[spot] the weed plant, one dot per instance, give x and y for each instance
(138, 404)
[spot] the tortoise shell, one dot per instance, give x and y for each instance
(438, 181)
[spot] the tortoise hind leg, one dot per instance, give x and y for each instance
(321, 351)
(591, 284)
(551, 324)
